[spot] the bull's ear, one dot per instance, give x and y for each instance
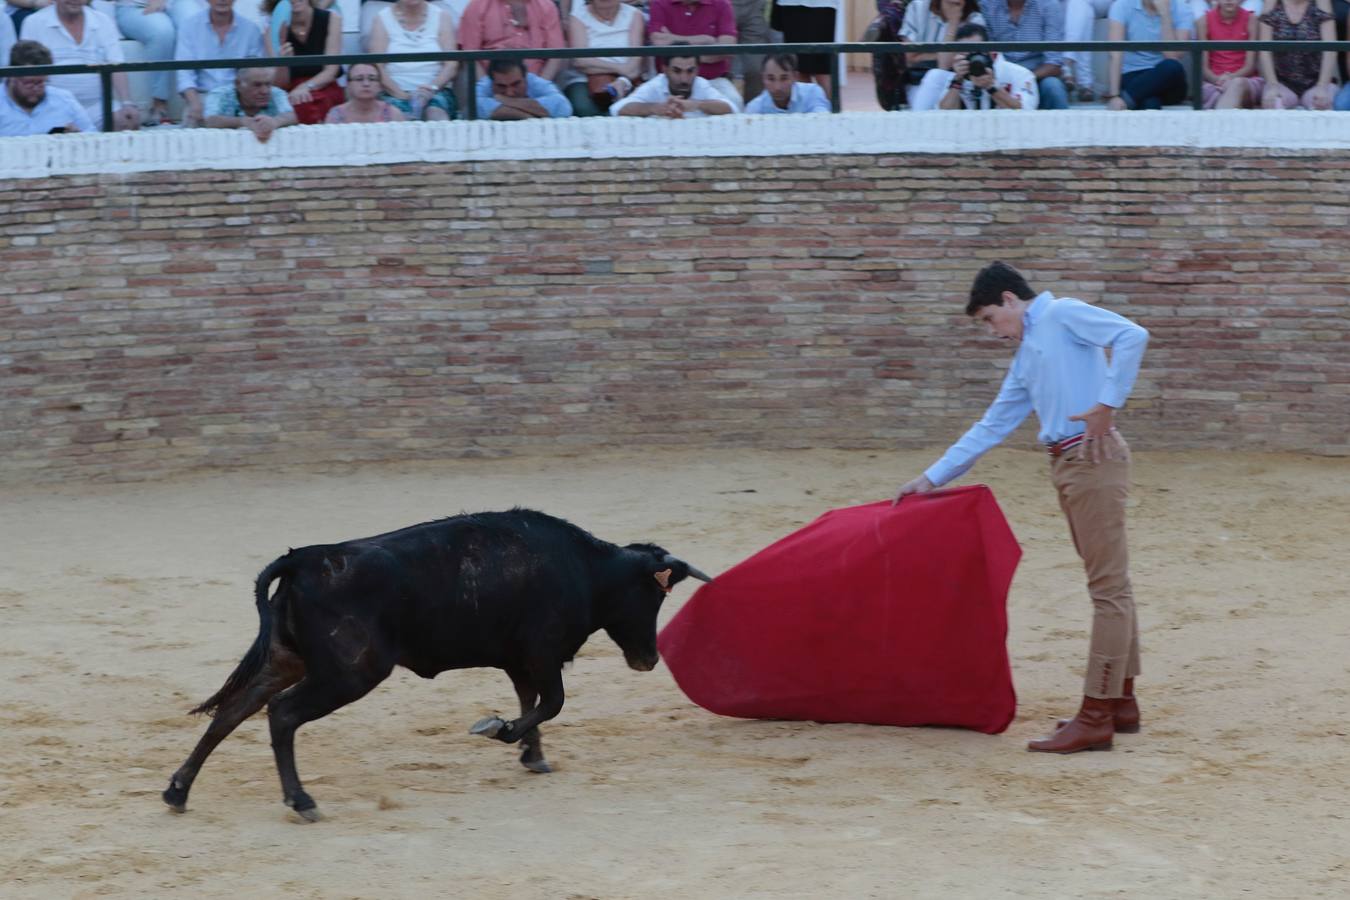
(663, 578)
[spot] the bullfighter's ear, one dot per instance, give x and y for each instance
(663, 579)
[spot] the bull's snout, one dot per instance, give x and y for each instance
(642, 662)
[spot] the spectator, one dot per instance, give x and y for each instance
(698, 23)
(1302, 78)
(678, 93)
(1230, 75)
(515, 25)
(251, 102)
(1147, 79)
(212, 33)
(937, 21)
(508, 91)
(77, 35)
(419, 90)
(998, 85)
(28, 106)
(592, 83)
(371, 9)
(1200, 7)
(1080, 19)
(1032, 20)
(7, 37)
(892, 73)
(154, 24)
(363, 99)
(783, 93)
(810, 22)
(19, 10)
(308, 31)
(752, 27)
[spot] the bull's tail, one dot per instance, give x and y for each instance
(261, 652)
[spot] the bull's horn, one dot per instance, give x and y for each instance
(693, 573)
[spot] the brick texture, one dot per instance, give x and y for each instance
(158, 322)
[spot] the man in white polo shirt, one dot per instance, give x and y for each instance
(677, 93)
(77, 35)
(28, 106)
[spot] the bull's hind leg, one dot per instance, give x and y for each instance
(283, 669)
(531, 744)
(313, 698)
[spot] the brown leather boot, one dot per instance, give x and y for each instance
(1091, 729)
(1125, 712)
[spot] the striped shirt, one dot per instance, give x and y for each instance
(1060, 369)
(1041, 20)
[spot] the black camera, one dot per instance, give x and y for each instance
(979, 63)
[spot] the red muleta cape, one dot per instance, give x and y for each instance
(873, 614)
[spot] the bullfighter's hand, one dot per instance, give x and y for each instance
(1099, 435)
(920, 485)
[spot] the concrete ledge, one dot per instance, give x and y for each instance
(847, 133)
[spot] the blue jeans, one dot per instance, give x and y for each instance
(158, 32)
(1153, 88)
(1054, 95)
(1342, 101)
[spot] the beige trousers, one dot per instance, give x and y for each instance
(1093, 499)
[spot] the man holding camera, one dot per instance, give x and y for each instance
(977, 80)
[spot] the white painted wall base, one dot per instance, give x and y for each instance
(179, 149)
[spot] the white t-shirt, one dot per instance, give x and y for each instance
(922, 26)
(411, 75)
(100, 44)
(1008, 75)
(658, 91)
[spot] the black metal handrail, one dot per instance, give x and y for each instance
(1194, 49)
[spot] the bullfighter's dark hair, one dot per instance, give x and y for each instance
(992, 281)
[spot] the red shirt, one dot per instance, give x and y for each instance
(487, 25)
(710, 17)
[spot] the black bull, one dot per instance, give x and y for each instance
(518, 590)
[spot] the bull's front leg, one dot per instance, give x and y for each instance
(526, 728)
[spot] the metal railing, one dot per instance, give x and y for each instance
(1194, 49)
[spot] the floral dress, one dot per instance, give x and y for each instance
(1297, 71)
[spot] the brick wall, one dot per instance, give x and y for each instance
(159, 321)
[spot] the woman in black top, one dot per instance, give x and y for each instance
(313, 90)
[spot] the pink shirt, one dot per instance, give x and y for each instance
(487, 25)
(1221, 61)
(710, 17)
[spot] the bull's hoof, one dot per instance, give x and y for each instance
(304, 806)
(176, 797)
(537, 765)
(308, 815)
(489, 727)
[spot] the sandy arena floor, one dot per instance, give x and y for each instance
(124, 605)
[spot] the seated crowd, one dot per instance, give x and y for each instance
(699, 82)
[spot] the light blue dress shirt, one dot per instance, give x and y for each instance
(58, 109)
(1144, 26)
(1059, 370)
(806, 98)
(541, 90)
(197, 40)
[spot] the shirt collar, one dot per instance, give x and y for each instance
(1035, 309)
